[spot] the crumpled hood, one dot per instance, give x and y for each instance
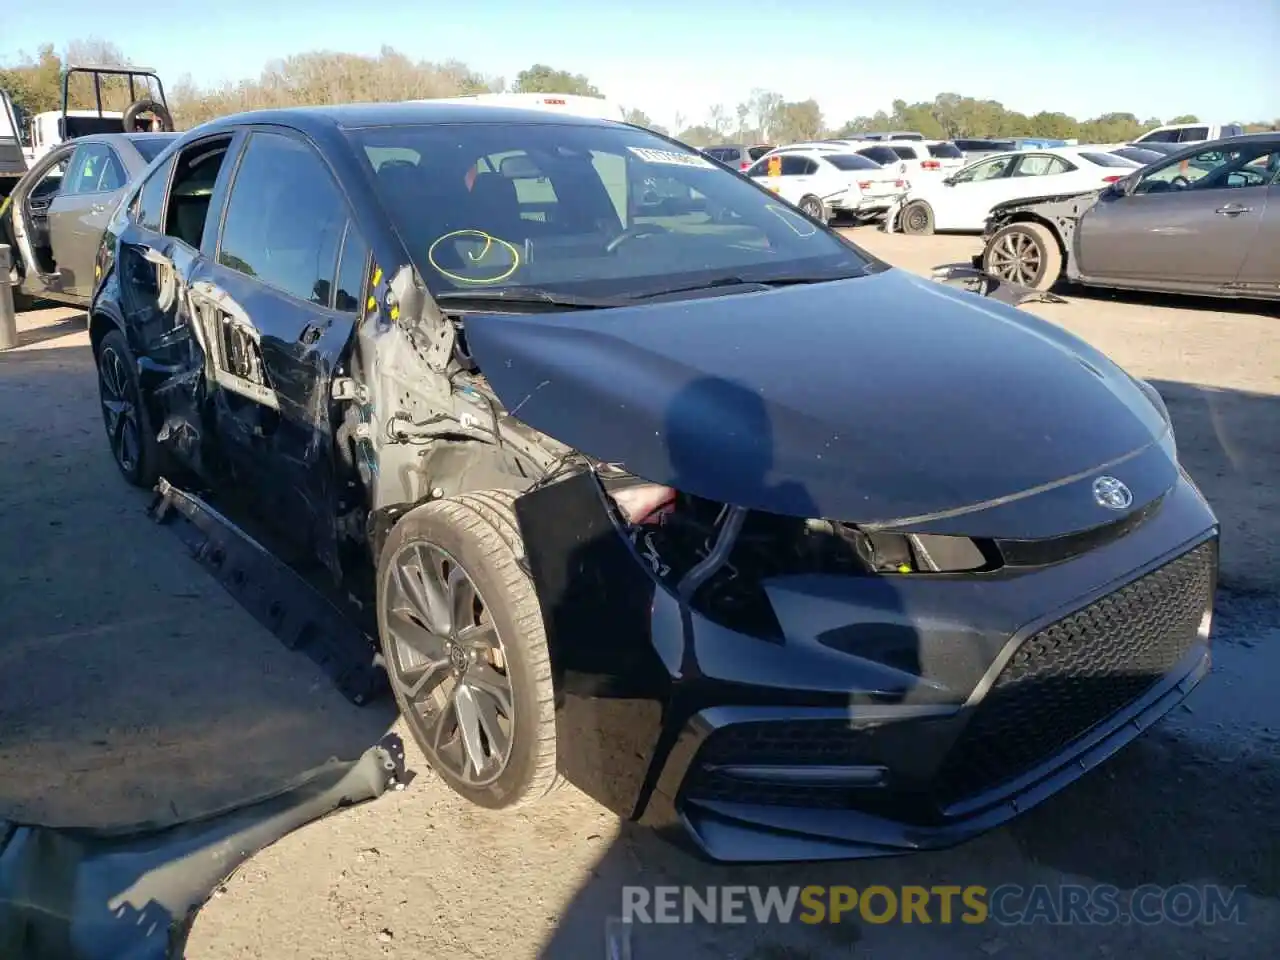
(881, 399)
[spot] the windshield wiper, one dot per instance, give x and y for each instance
(767, 282)
(526, 296)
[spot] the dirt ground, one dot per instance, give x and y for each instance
(132, 687)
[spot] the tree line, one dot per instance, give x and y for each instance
(34, 84)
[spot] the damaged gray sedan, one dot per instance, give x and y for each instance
(656, 484)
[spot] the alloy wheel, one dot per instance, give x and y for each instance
(448, 664)
(812, 208)
(119, 412)
(1017, 258)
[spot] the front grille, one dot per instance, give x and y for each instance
(1077, 672)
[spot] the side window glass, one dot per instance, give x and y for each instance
(1040, 165)
(761, 169)
(85, 163)
(986, 170)
(351, 270)
(794, 166)
(283, 218)
(811, 166)
(51, 183)
(1193, 134)
(149, 207)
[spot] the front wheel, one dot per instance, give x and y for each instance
(465, 648)
(1024, 253)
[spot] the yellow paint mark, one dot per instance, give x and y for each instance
(4, 205)
(490, 244)
(904, 568)
(395, 313)
(372, 304)
(377, 275)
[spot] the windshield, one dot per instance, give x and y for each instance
(586, 209)
(850, 161)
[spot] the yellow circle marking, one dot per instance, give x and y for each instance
(489, 242)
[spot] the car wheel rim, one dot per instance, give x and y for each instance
(1017, 257)
(916, 219)
(118, 411)
(448, 665)
(811, 209)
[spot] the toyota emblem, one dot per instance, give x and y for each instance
(1111, 493)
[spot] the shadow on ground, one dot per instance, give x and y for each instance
(132, 687)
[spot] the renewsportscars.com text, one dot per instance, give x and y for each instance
(1009, 904)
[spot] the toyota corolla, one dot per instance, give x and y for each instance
(661, 486)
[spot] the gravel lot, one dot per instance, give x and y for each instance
(131, 687)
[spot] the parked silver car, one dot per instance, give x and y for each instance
(55, 216)
(1205, 220)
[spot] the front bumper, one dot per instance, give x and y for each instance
(899, 714)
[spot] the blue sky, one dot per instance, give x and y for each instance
(1083, 57)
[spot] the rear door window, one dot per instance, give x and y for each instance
(1193, 134)
(95, 168)
(1040, 165)
(794, 166)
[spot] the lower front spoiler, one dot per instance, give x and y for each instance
(746, 833)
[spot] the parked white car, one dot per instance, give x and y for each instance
(825, 181)
(962, 201)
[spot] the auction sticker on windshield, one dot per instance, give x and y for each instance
(649, 155)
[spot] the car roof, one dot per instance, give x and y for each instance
(116, 139)
(352, 116)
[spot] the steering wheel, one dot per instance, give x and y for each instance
(1180, 182)
(634, 233)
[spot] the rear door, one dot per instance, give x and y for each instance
(80, 211)
(1186, 223)
(278, 301)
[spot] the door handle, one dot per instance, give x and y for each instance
(1232, 210)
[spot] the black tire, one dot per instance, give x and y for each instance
(478, 532)
(120, 397)
(1025, 253)
(146, 105)
(916, 219)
